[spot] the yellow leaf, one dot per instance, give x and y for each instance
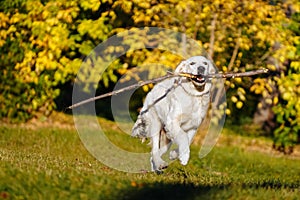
(241, 90)
(234, 99)
(145, 88)
(156, 17)
(275, 100)
(259, 105)
(228, 112)
(34, 104)
(286, 96)
(238, 80)
(240, 54)
(239, 104)
(242, 97)
(271, 67)
(269, 101)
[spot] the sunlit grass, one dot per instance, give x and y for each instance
(52, 163)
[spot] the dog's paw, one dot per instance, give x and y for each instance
(184, 158)
(173, 154)
(159, 172)
(161, 169)
(158, 165)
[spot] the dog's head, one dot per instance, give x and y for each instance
(197, 65)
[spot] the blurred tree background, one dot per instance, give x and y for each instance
(43, 43)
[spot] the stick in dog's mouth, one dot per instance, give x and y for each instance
(197, 78)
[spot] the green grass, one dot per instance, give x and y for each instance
(52, 163)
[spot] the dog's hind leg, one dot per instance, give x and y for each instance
(157, 163)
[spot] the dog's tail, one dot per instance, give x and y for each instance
(140, 128)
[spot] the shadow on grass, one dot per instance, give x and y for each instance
(189, 191)
(160, 191)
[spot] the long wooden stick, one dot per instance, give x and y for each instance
(170, 75)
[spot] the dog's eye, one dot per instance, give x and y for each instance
(192, 63)
(205, 63)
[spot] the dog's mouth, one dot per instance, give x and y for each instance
(199, 82)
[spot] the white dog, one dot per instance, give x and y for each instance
(173, 111)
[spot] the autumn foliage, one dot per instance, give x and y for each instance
(42, 44)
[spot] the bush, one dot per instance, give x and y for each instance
(41, 45)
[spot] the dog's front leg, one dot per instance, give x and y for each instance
(179, 137)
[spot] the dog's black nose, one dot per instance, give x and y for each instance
(200, 70)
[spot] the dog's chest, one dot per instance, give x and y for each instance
(193, 109)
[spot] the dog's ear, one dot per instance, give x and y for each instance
(212, 68)
(181, 66)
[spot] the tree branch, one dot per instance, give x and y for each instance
(235, 51)
(212, 36)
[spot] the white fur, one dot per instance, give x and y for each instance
(173, 111)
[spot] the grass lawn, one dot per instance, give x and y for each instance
(52, 163)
